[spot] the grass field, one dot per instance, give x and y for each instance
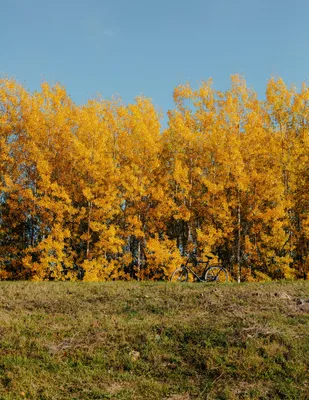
(154, 341)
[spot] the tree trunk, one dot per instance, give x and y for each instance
(88, 231)
(139, 260)
(238, 239)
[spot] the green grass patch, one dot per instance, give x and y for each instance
(154, 341)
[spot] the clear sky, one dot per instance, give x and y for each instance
(132, 47)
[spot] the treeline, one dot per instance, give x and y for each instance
(101, 191)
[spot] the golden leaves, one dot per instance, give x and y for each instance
(99, 191)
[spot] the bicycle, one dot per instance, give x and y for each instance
(211, 273)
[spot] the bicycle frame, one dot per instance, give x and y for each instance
(195, 263)
(210, 273)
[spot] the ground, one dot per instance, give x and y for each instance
(129, 340)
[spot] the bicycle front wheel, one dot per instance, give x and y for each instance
(180, 275)
(216, 274)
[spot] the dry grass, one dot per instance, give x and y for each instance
(154, 341)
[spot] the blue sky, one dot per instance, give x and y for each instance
(132, 47)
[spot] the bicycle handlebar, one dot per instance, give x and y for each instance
(193, 257)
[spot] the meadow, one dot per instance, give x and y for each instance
(145, 340)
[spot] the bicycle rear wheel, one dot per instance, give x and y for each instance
(180, 275)
(217, 274)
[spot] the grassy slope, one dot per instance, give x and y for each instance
(154, 341)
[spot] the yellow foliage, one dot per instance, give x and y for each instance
(100, 191)
(163, 257)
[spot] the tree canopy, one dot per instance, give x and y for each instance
(102, 191)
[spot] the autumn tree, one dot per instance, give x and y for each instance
(101, 191)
